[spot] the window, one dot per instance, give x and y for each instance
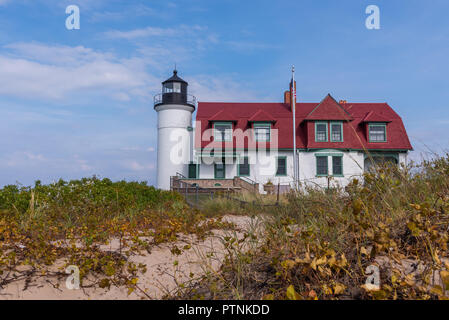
(219, 171)
(262, 132)
(377, 133)
(281, 169)
(321, 166)
(376, 160)
(172, 87)
(243, 167)
(193, 170)
(337, 166)
(320, 131)
(223, 131)
(336, 132)
(168, 88)
(177, 87)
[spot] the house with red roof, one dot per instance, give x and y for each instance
(328, 143)
(335, 141)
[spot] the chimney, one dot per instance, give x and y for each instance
(287, 97)
(292, 93)
(343, 102)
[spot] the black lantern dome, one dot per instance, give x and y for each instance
(174, 91)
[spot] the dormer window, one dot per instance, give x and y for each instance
(262, 131)
(321, 131)
(377, 132)
(336, 131)
(223, 131)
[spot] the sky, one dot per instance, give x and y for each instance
(74, 103)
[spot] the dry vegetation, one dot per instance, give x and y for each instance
(315, 244)
(70, 223)
(319, 245)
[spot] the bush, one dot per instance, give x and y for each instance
(70, 220)
(319, 245)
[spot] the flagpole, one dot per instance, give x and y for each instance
(295, 168)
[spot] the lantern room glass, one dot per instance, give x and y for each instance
(172, 87)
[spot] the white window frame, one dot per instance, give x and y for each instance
(340, 124)
(384, 125)
(316, 131)
(228, 132)
(262, 125)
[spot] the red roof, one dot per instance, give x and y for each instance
(373, 116)
(353, 115)
(328, 109)
(262, 116)
(223, 115)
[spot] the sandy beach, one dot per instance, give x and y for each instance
(161, 278)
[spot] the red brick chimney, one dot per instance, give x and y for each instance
(287, 97)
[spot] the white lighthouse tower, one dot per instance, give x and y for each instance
(174, 109)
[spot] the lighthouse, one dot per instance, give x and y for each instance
(174, 107)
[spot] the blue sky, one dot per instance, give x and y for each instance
(77, 103)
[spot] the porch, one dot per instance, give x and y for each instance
(183, 184)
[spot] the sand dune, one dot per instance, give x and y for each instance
(161, 277)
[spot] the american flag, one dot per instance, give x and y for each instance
(294, 90)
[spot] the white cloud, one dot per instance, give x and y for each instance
(248, 47)
(137, 149)
(140, 33)
(34, 157)
(76, 163)
(180, 31)
(130, 11)
(74, 74)
(83, 165)
(136, 166)
(56, 55)
(39, 71)
(221, 88)
(162, 46)
(21, 159)
(30, 70)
